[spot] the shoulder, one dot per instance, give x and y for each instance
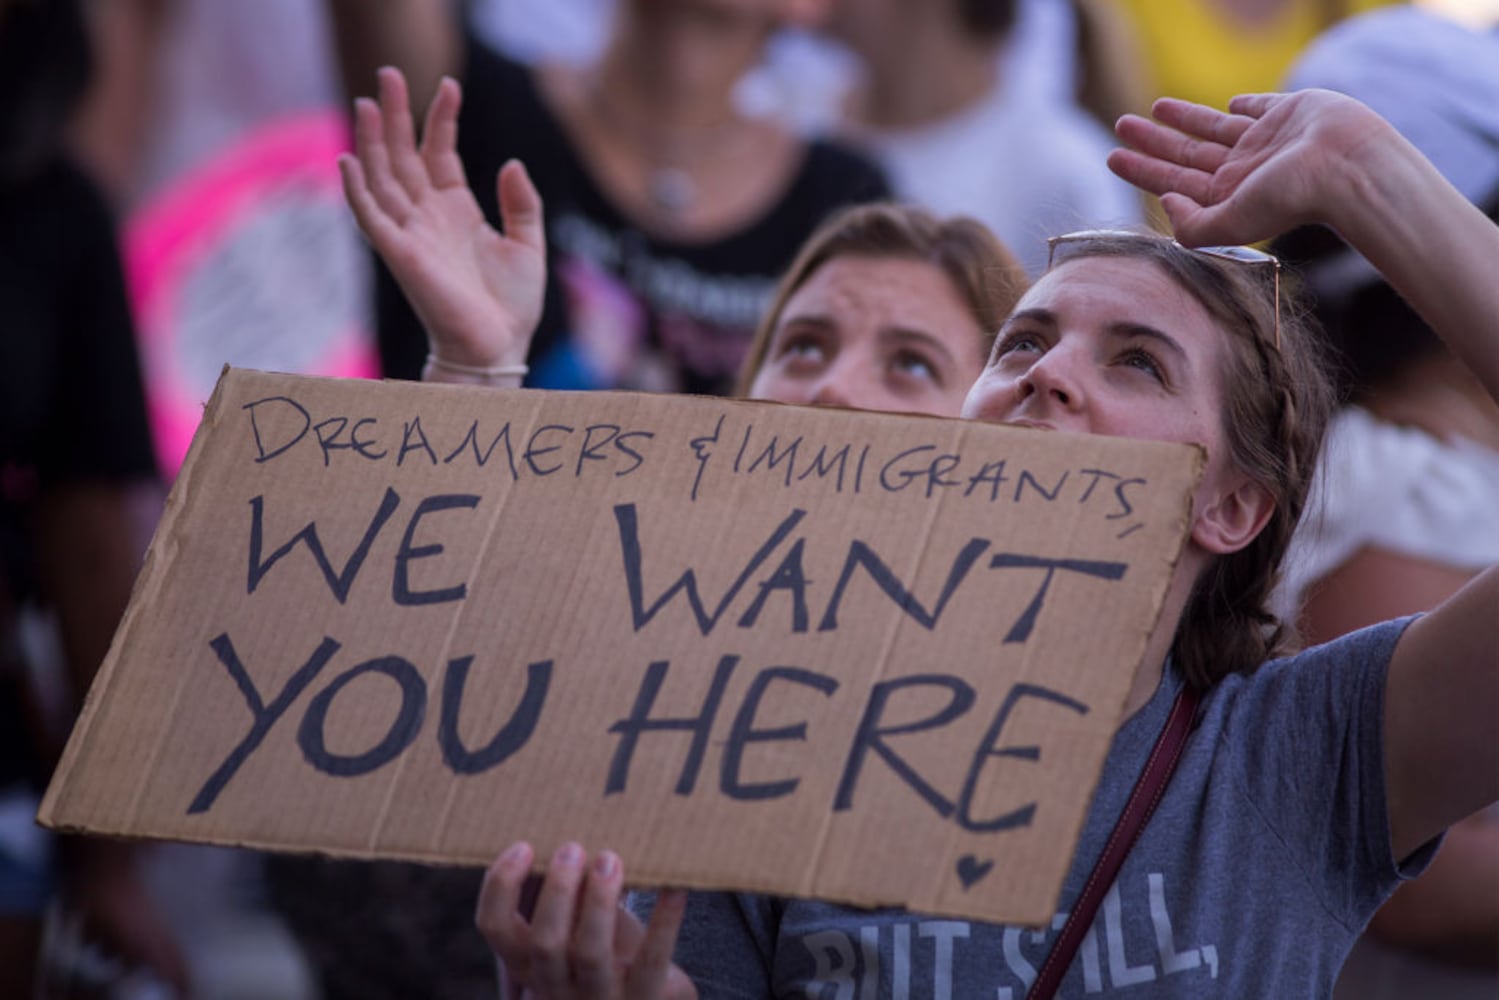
(835, 172)
(485, 66)
(501, 98)
(1342, 679)
(60, 191)
(58, 220)
(505, 116)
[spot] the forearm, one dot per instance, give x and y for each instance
(1430, 243)
(421, 37)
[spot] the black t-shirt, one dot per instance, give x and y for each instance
(624, 308)
(72, 408)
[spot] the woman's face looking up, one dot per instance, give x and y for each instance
(873, 333)
(1112, 345)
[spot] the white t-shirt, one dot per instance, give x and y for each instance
(1026, 167)
(1396, 488)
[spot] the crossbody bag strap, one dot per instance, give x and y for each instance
(1137, 811)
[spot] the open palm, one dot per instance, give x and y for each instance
(1247, 175)
(478, 292)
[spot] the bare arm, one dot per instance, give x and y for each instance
(423, 38)
(1282, 160)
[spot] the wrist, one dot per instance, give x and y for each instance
(440, 369)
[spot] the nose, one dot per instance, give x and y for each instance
(1053, 379)
(837, 386)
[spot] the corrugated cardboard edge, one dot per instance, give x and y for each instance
(149, 581)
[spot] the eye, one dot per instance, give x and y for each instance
(803, 346)
(915, 365)
(1142, 360)
(1017, 342)
(801, 350)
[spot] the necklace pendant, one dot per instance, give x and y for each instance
(672, 189)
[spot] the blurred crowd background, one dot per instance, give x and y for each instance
(170, 204)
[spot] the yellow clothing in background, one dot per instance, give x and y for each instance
(1201, 51)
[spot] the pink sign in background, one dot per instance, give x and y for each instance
(251, 259)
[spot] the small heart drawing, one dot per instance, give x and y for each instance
(971, 869)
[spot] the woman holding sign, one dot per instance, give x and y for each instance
(1307, 786)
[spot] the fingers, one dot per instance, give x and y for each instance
(440, 136)
(552, 924)
(499, 916)
(373, 222)
(1200, 120)
(1254, 105)
(570, 945)
(1190, 221)
(592, 951)
(1170, 145)
(520, 206)
(1158, 176)
(400, 134)
(649, 972)
(374, 158)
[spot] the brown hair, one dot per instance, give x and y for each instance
(985, 273)
(1276, 405)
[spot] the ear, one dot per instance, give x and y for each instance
(1234, 519)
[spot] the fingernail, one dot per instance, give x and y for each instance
(605, 865)
(569, 854)
(513, 856)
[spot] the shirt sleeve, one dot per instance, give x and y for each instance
(1309, 757)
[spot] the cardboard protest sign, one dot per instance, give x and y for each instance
(867, 657)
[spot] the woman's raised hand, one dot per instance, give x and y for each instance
(478, 293)
(578, 941)
(1274, 162)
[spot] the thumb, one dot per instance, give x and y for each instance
(520, 206)
(1189, 220)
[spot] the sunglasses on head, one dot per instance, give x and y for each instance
(1234, 255)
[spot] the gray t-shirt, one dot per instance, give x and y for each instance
(1264, 860)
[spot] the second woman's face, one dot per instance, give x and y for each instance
(873, 333)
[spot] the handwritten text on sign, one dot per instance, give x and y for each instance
(863, 656)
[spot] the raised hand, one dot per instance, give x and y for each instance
(478, 292)
(578, 942)
(1273, 163)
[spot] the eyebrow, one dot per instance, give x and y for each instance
(802, 319)
(909, 335)
(886, 334)
(1121, 329)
